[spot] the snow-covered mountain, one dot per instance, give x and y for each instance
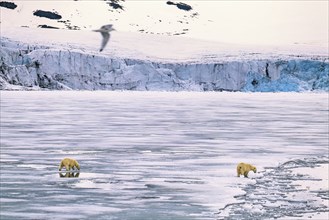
(65, 54)
(158, 17)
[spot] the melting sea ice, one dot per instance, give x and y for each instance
(161, 155)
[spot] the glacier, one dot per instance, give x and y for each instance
(25, 66)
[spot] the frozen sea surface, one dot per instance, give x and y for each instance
(161, 155)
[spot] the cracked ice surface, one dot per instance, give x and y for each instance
(295, 189)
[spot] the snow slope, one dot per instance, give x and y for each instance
(257, 22)
(157, 17)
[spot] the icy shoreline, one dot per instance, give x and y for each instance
(295, 189)
(30, 66)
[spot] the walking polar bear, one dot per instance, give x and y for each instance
(244, 168)
(69, 164)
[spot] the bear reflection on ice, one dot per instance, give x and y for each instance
(244, 168)
(69, 175)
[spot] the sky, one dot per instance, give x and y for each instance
(232, 21)
(268, 21)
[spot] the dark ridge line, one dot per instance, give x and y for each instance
(115, 4)
(47, 14)
(180, 5)
(9, 5)
(46, 26)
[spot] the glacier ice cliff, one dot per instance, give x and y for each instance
(32, 67)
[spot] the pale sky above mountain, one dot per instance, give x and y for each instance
(266, 21)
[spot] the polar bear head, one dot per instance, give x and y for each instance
(253, 168)
(78, 166)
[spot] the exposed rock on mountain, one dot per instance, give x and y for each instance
(9, 5)
(47, 14)
(180, 5)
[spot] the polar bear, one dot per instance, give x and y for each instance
(69, 164)
(244, 168)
